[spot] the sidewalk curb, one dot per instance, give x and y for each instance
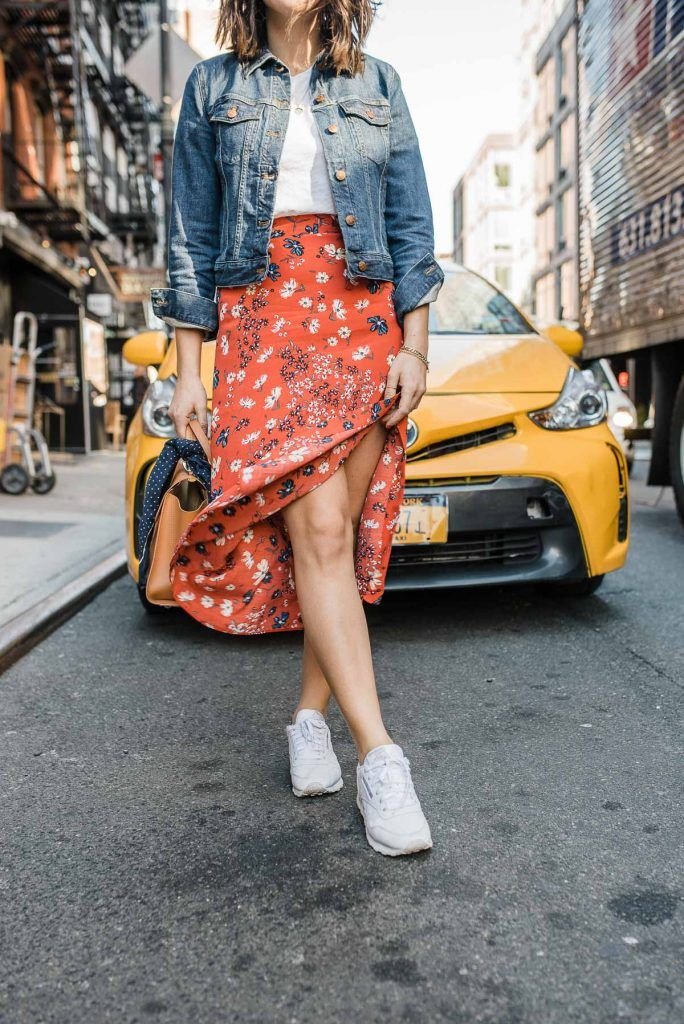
(26, 630)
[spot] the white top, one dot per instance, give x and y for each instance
(302, 185)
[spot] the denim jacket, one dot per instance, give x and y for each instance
(227, 151)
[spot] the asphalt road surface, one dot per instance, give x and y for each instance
(155, 866)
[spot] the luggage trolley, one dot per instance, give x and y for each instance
(24, 457)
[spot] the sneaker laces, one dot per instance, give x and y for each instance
(390, 779)
(312, 736)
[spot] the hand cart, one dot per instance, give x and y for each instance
(24, 455)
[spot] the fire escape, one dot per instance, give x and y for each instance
(100, 196)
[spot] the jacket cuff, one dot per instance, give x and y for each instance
(418, 286)
(175, 308)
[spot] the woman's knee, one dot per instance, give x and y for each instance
(324, 538)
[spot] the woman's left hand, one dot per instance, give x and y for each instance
(408, 374)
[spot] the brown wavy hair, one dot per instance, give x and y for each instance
(343, 25)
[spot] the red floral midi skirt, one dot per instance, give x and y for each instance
(301, 367)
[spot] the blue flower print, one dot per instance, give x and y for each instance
(216, 378)
(347, 425)
(374, 286)
(295, 246)
(379, 324)
(222, 439)
(286, 488)
(376, 409)
(273, 271)
(280, 620)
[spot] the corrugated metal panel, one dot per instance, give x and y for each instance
(631, 143)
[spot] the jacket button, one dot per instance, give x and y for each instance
(232, 112)
(371, 113)
(319, 97)
(340, 175)
(350, 219)
(332, 128)
(362, 264)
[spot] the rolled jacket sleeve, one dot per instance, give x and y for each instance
(408, 213)
(194, 222)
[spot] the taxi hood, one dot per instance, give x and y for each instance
(486, 363)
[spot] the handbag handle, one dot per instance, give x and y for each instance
(194, 427)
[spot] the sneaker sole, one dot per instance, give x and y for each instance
(335, 788)
(389, 851)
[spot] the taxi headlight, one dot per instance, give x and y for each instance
(581, 403)
(623, 418)
(155, 408)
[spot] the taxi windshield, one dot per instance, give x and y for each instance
(467, 304)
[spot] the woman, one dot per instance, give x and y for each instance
(301, 239)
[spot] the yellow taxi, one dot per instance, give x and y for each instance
(513, 474)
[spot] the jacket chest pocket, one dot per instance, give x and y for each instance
(369, 122)
(236, 122)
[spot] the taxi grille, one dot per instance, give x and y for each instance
(474, 439)
(494, 547)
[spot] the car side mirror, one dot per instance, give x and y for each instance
(146, 349)
(569, 341)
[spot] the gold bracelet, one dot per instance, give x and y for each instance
(416, 352)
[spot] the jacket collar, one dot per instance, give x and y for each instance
(265, 55)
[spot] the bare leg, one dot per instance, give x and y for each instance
(359, 468)
(322, 536)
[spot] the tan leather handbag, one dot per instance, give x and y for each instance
(182, 501)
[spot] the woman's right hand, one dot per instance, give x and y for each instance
(189, 401)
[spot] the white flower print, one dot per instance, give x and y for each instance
(206, 601)
(271, 401)
(251, 437)
(215, 465)
(226, 608)
(289, 288)
(214, 418)
(240, 376)
(260, 381)
(236, 310)
(321, 307)
(314, 325)
(306, 302)
(332, 341)
(248, 559)
(277, 326)
(361, 304)
(235, 465)
(329, 249)
(186, 595)
(364, 352)
(247, 403)
(262, 569)
(338, 312)
(371, 524)
(344, 332)
(247, 474)
(271, 424)
(322, 277)
(323, 467)
(264, 355)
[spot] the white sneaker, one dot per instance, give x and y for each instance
(395, 823)
(314, 768)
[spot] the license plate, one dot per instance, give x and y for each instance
(423, 519)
